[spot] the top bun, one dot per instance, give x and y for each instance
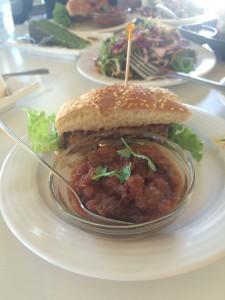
(117, 106)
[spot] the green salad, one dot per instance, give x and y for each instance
(159, 44)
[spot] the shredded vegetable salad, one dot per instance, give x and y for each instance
(159, 44)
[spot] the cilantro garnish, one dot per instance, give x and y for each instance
(122, 174)
(127, 152)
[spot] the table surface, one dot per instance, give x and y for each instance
(25, 275)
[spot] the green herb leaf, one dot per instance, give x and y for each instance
(100, 172)
(42, 132)
(184, 60)
(187, 140)
(122, 174)
(127, 152)
(61, 16)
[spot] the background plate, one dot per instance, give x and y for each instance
(205, 62)
(171, 21)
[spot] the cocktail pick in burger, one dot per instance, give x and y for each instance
(129, 30)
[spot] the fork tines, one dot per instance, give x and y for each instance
(143, 69)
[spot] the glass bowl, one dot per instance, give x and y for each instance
(169, 158)
(111, 17)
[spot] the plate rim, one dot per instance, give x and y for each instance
(171, 21)
(110, 243)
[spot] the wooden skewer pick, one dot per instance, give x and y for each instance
(129, 29)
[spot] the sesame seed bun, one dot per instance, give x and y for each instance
(117, 106)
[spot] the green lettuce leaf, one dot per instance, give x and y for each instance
(187, 140)
(61, 15)
(42, 132)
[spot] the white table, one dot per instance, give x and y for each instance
(23, 274)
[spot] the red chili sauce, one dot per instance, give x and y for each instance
(145, 195)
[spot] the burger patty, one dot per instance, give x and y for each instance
(69, 138)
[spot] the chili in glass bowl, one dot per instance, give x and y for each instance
(149, 189)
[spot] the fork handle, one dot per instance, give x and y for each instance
(200, 80)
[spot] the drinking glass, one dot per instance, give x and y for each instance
(6, 21)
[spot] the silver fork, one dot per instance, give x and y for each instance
(148, 70)
(145, 70)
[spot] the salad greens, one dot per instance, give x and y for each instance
(61, 16)
(183, 61)
(159, 44)
(42, 132)
(110, 63)
(187, 140)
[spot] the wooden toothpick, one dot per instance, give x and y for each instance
(129, 30)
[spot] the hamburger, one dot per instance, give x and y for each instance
(107, 110)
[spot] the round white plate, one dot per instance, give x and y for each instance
(195, 239)
(221, 95)
(51, 50)
(205, 62)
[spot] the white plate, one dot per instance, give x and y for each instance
(195, 239)
(52, 50)
(20, 88)
(221, 95)
(205, 62)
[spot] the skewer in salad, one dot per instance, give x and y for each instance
(159, 44)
